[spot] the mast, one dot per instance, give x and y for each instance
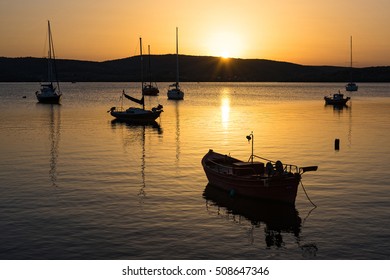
(142, 73)
(149, 68)
(49, 66)
(351, 50)
(177, 58)
(52, 60)
(350, 70)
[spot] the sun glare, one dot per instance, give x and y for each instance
(225, 54)
(225, 45)
(225, 110)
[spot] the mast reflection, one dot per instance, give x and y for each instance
(139, 131)
(54, 138)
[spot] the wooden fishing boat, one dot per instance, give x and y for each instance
(266, 179)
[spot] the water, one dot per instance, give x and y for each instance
(75, 185)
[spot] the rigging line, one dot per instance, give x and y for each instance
(308, 195)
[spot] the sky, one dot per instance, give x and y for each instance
(307, 32)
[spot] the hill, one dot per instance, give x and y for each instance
(192, 69)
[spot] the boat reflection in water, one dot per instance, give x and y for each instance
(53, 119)
(154, 125)
(278, 218)
(338, 107)
(139, 132)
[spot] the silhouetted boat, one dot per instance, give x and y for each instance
(351, 86)
(150, 88)
(273, 181)
(337, 99)
(174, 91)
(135, 114)
(49, 93)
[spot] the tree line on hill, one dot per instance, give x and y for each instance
(192, 69)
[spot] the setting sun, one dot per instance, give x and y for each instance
(225, 54)
(225, 44)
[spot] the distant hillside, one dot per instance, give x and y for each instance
(192, 69)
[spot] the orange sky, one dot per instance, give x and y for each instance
(300, 31)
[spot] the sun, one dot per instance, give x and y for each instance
(225, 44)
(225, 54)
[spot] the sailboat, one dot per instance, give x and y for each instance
(49, 93)
(135, 114)
(150, 88)
(351, 86)
(174, 91)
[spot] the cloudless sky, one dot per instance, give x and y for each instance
(300, 31)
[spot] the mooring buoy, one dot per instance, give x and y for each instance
(337, 144)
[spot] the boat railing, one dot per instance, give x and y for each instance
(286, 167)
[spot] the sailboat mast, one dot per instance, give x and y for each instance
(52, 60)
(49, 65)
(177, 57)
(149, 67)
(350, 71)
(142, 72)
(351, 50)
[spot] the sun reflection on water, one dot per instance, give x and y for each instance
(225, 109)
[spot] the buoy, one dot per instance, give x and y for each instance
(337, 144)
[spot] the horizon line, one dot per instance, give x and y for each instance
(211, 56)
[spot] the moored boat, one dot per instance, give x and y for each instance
(135, 114)
(351, 86)
(336, 99)
(266, 179)
(49, 93)
(174, 91)
(150, 88)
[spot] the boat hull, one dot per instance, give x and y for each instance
(150, 91)
(175, 94)
(49, 99)
(339, 102)
(144, 117)
(351, 87)
(281, 188)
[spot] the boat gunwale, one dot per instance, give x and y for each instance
(286, 167)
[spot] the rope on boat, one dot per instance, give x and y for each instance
(307, 195)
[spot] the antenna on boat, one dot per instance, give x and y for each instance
(249, 138)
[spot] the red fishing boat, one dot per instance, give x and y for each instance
(265, 179)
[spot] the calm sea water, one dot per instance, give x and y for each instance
(76, 185)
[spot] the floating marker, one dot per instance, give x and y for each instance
(337, 144)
